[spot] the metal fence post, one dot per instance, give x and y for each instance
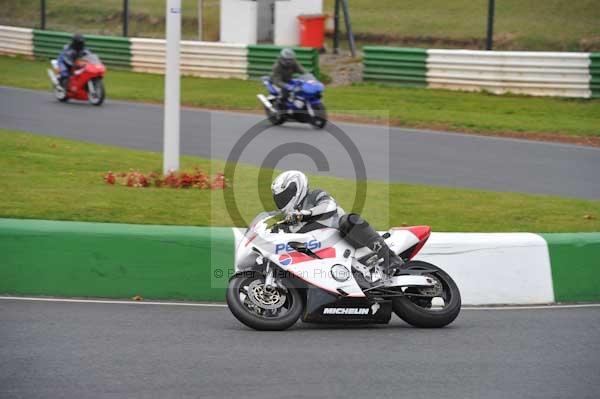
(199, 11)
(490, 25)
(125, 18)
(43, 14)
(336, 28)
(349, 27)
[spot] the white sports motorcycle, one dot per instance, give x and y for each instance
(323, 279)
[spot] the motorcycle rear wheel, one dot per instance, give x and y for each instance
(60, 94)
(276, 118)
(418, 311)
(243, 285)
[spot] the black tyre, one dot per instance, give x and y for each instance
(320, 119)
(60, 94)
(274, 118)
(417, 310)
(274, 309)
(99, 93)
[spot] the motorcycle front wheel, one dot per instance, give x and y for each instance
(417, 306)
(320, 119)
(262, 308)
(96, 97)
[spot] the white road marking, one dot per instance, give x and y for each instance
(107, 301)
(222, 305)
(533, 307)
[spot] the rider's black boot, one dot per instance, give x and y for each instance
(359, 233)
(63, 81)
(390, 261)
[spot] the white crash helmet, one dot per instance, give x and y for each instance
(289, 190)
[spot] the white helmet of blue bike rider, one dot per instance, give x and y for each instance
(289, 190)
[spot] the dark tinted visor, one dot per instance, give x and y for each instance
(284, 197)
(287, 61)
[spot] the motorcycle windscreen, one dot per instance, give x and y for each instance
(250, 233)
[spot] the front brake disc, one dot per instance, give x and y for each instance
(265, 298)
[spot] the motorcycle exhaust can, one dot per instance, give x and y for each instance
(52, 77)
(266, 103)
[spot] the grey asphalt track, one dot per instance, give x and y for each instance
(399, 155)
(76, 350)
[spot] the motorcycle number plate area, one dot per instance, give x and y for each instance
(325, 308)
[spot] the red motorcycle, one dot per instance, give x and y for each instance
(85, 82)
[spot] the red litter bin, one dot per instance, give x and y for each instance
(312, 30)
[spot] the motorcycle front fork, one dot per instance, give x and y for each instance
(269, 278)
(91, 87)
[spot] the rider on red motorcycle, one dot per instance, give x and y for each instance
(310, 210)
(66, 60)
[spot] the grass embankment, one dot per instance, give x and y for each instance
(541, 25)
(146, 17)
(50, 178)
(547, 118)
(519, 25)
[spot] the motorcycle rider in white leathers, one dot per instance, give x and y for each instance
(310, 210)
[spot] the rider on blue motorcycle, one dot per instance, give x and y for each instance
(70, 53)
(283, 72)
(311, 210)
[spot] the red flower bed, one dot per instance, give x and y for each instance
(197, 179)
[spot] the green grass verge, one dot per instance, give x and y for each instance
(519, 25)
(50, 178)
(526, 25)
(438, 109)
(147, 17)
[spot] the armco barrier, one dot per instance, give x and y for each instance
(16, 41)
(215, 60)
(262, 57)
(404, 66)
(533, 73)
(193, 263)
(113, 51)
(204, 59)
(595, 74)
(575, 262)
(112, 260)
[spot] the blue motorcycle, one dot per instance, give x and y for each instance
(303, 104)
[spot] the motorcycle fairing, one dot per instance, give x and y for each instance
(322, 307)
(315, 272)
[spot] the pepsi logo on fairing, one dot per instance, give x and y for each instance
(286, 260)
(284, 247)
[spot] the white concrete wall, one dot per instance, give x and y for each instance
(238, 21)
(287, 28)
(502, 268)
